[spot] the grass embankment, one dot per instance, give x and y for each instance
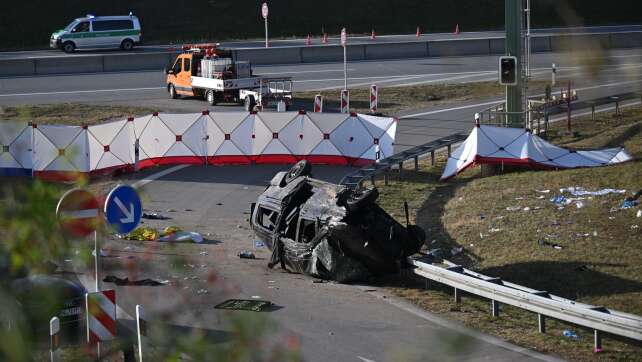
(395, 99)
(70, 113)
(600, 260)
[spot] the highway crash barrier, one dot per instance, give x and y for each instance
(62, 153)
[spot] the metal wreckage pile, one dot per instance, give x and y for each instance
(329, 231)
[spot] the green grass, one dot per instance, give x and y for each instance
(395, 99)
(600, 261)
(69, 113)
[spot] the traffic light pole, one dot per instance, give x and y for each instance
(513, 13)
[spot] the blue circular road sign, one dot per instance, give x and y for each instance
(123, 209)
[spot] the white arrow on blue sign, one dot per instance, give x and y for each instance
(123, 209)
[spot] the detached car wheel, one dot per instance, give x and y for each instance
(301, 168)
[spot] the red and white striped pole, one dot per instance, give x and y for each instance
(308, 41)
(418, 34)
(141, 329)
(318, 103)
(101, 317)
(374, 95)
(325, 38)
(345, 101)
(54, 333)
(373, 35)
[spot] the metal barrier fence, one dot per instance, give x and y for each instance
(599, 319)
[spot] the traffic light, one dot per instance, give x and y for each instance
(508, 70)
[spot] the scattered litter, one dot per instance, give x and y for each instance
(317, 281)
(594, 233)
(247, 255)
(639, 214)
(628, 204)
(143, 234)
(494, 230)
(513, 208)
(543, 242)
(519, 198)
(203, 253)
(256, 297)
(585, 235)
(101, 253)
(633, 227)
(561, 201)
(543, 191)
(202, 291)
(142, 282)
(611, 217)
(259, 244)
(472, 245)
(579, 204)
(154, 216)
(526, 209)
(170, 210)
(219, 204)
(481, 236)
(68, 260)
(456, 250)
(481, 217)
(580, 191)
(433, 242)
(541, 197)
(244, 304)
(570, 334)
(182, 236)
(436, 253)
(189, 210)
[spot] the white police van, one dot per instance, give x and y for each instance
(98, 32)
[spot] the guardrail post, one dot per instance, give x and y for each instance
(617, 108)
(416, 163)
(400, 168)
(432, 158)
(541, 322)
(597, 341)
(385, 177)
(593, 113)
(457, 296)
(449, 147)
(495, 308)
(372, 180)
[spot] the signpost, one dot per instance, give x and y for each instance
(264, 12)
(77, 213)
(123, 209)
(344, 43)
(374, 94)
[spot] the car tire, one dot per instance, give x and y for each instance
(365, 198)
(210, 97)
(301, 168)
(127, 45)
(68, 47)
(250, 102)
(172, 92)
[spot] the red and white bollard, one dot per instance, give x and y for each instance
(318, 103)
(374, 95)
(308, 41)
(345, 101)
(54, 333)
(456, 29)
(325, 38)
(418, 32)
(373, 35)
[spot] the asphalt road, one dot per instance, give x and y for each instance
(333, 322)
(317, 40)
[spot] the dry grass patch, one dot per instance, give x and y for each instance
(70, 113)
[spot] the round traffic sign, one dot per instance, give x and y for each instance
(264, 10)
(123, 209)
(77, 213)
(344, 37)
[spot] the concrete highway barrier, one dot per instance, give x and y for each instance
(320, 53)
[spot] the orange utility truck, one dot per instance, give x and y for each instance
(207, 71)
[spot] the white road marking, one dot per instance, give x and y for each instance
(307, 71)
(365, 359)
(80, 214)
(79, 91)
(156, 176)
(496, 101)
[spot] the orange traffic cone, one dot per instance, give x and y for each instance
(325, 38)
(457, 29)
(373, 36)
(418, 32)
(308, 41)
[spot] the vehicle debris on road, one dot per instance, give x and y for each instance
(330, 231)
(247, 255)
(127, 282)
(154, 216)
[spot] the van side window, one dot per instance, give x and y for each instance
(177, 66)
(105, 25)
(81, 27)
(186, 64)
(266, 218)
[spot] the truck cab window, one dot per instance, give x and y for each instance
(177, 66)
(186, 64)
(81, 27)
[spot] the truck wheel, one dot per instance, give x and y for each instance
(68, 47)
(250, 102)
(210, 97)
(172, 92)
(127, 44)
(301, 168)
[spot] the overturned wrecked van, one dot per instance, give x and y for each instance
(329, 231)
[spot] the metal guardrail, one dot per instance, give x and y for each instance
(598, 318)
(355, 179)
